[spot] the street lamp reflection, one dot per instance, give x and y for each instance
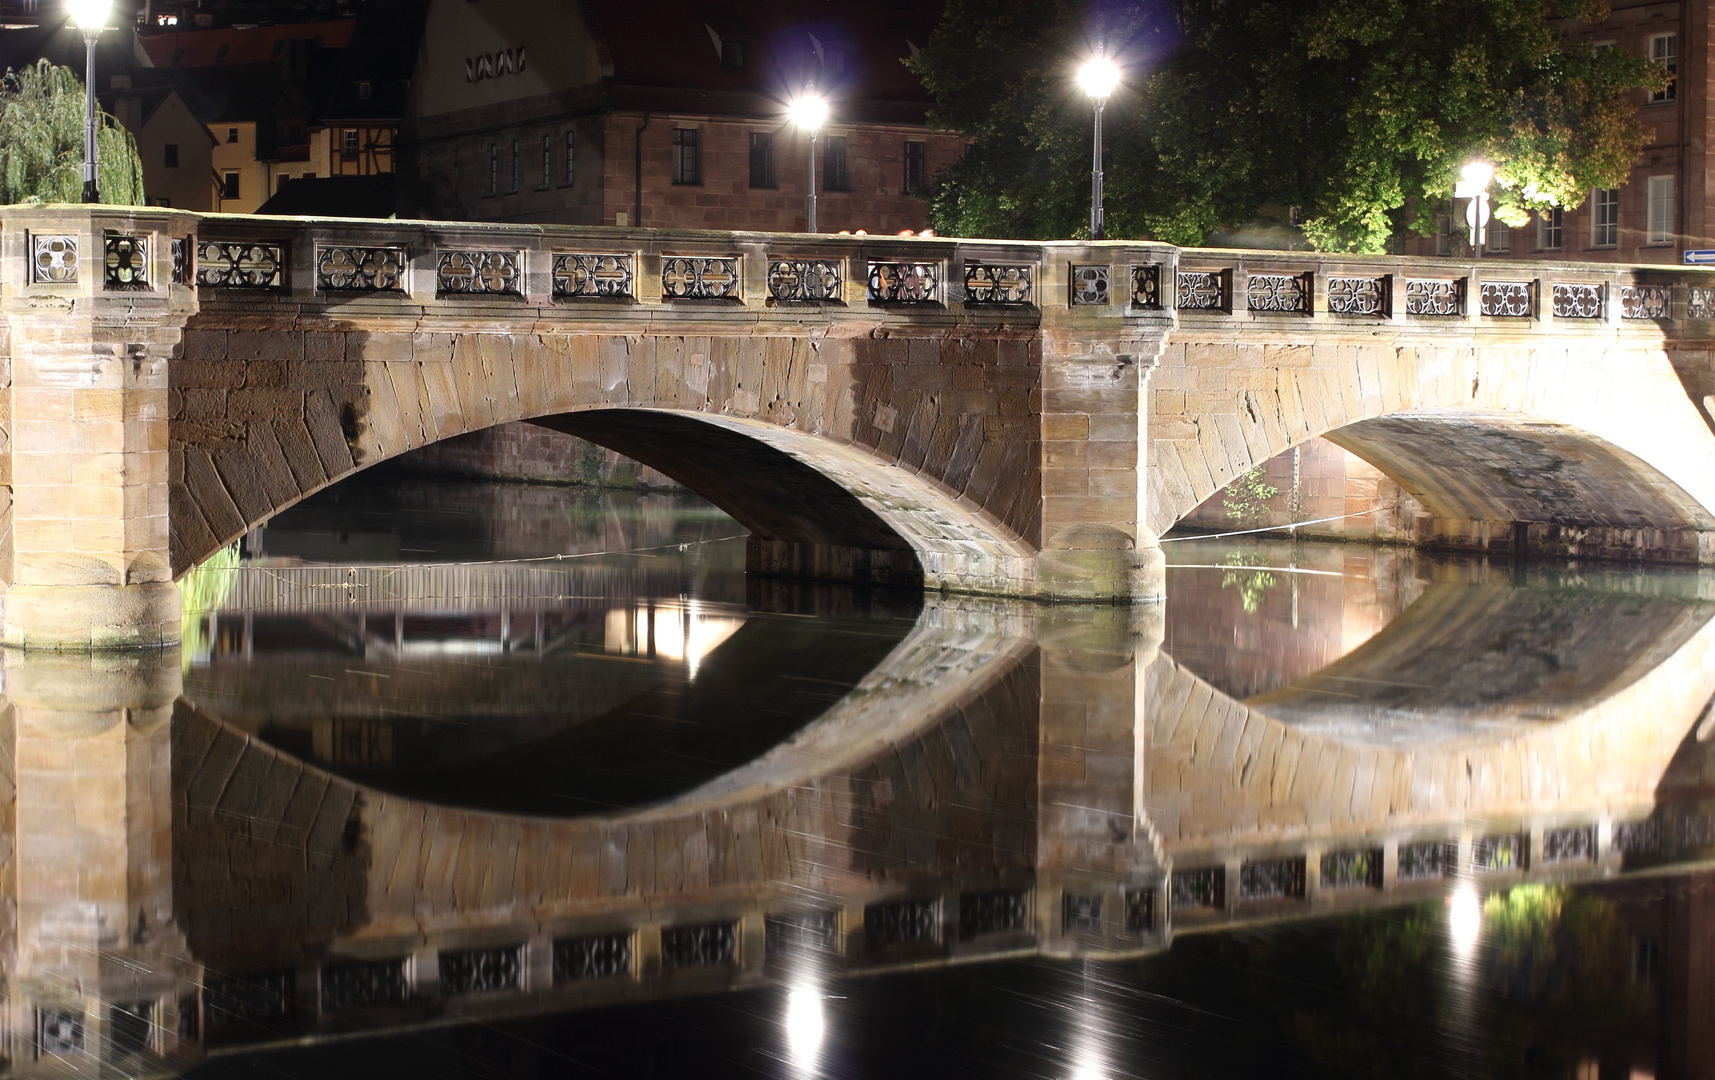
(1464, 918)
(805, 1026)
(682, 630)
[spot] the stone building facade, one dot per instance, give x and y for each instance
(669, 116)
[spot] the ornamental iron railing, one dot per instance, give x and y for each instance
(1272, 879)
(1279, 293)
(53, 259)
(1425, 860)
(907, 922)
(693, 277)
(1700, 303)
(1090, 285)
(126, 264)
(1507, 299)
(1646, 302)
(495, 273)
(1080, 914)
(804, 280)
(1360, 296)
(241, 265)
(992, 913)
(704, 945)
(1352, 869)
(479, 971)
(1139, 910)
(596, 956)
(1002, 284)
(1436, 297)
(583, 276)
(904, 283)
(362, 985)
(1577, 300)
(1205, 887)
(1146, 287)
(1202, 290)
(1573, 843)
(799, 932)
(1496, 854)
(360, 269)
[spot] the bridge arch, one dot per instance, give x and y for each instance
(822, 492)
(1505, 445)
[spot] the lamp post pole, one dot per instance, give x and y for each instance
(810, 200)
(91, 181)
(809, 111)
(1098, 77)
(1097, 231)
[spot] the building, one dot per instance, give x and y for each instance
(671, 114)
(176, 147)
(1668, 205)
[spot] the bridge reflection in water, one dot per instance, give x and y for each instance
(387, 798)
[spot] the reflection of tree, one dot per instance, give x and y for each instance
(1252, 583)
(1373, 995)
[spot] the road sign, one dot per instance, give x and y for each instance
(1695, 258)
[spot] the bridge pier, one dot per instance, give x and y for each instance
(91, 317)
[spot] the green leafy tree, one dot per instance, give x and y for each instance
(1351, 117)
(41, 142)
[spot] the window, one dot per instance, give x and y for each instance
(364, 91)
(1499, 238)
(547, 162)
(687, 162)
(916, 172)
(1551, 229)
(1664, 50)
(834, 164)
(348, 143)
(571, 159)
(231, 135)
(494, 168)
(732, 53)
(172, 155)
(761, 159)
(229, 186)
(161, 202)
(514, 186)
(1605, 217)
(1659, 220)
(220, 53)
(280, 181)
(1444, 234)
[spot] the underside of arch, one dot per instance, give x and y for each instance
(815, 508)
(1501, 481)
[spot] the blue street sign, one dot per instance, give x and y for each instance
(1693, 258)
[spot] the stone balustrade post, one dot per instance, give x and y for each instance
(95, 299)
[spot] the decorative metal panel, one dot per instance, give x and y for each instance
(58, 1034)
(1700, 303)
(1080, 914)
(363, 985)
(241, 266)
(1090, 285)
(599, 956)
(1579, 301)
(689, 278)
(904, 282)
(804, 279)
(901, 923)
(584, 276)
(181, 267)
(53, 259)
(129, 1026)
(360, 269)
(1358, 296)
(1646, 301)
(1500, 853)
(1140, 910)
(1202, 290)
(699, 946)
(1288, 293)
(1146, 287)
(254, 998)
(802, 931)
(477, 971)
(1505, 299)
(1433, 296)
(1352, 869)
(1426, 859)
(1697, 830)
(990, 283)
(126, 264)
(495, 273)
(1638, 837)
(992, 913)
(1576, 843)
(1272, 879)
(1204, 888)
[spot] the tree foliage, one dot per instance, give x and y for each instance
(1351, 117)
(41, 142)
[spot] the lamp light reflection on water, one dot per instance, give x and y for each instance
(804, 1028)
(1464, 918)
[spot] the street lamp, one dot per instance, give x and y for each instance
(809, 112)
(1474, 185)
(1098, 77)
(91, 18)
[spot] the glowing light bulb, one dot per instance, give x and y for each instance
(808, 112)
(90, 14)
(1098, 77)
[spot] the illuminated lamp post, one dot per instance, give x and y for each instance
(809, 112)
(1098, 77)
(91, 18)
(1474, 185)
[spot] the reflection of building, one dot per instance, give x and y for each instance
(669, 115)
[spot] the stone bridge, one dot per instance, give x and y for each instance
(1011, 418)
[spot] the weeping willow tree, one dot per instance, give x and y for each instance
(41, 142)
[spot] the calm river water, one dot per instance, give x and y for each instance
(461, 780)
